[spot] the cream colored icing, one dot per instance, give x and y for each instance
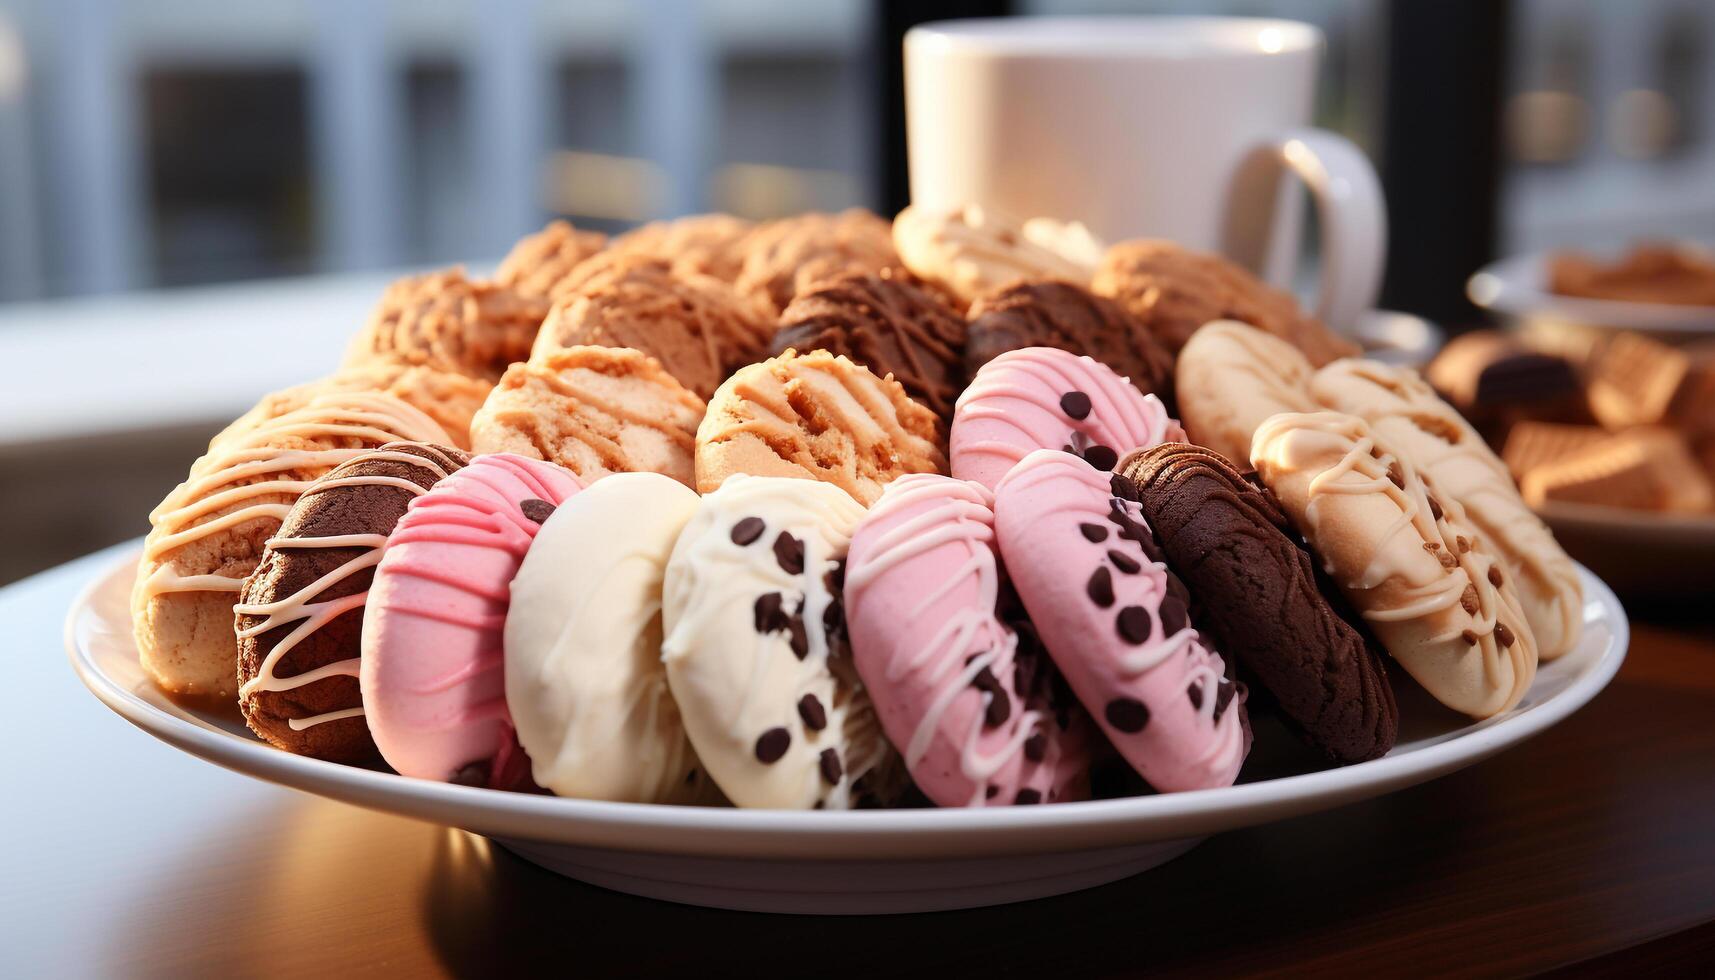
(974, 250)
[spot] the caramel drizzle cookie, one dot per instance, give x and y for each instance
(695, 325)
(889, 326)
(972, 250)
(540, 262)
(593, 410)
(1406, 557)
(447, 321)
(291, 619)
(210, 531)
(701, 244)
(1070, 317)
(815, 416)
(1232, 376)
(786, 257)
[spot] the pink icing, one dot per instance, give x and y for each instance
(1014, 406)
(1156, 696)
(920, 591)
(433, 691)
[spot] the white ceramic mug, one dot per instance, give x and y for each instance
(1162, 127)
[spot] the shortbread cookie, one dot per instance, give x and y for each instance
(815, 416)
(210, 531)
(1641, 469)
(595, 411)
(1230, 377)
(1401, 408)
(1406, 556)
(1533, 444)
(1175, 291)
(702, 244)
(695, 325)
(446, 321)
(1070, 317)
(540, 262)
(785, 257)
(971, 251)
(756, 654)
(1633, 380)
(888, 325)
(300, 614)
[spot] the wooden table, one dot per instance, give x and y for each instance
(1593, 844)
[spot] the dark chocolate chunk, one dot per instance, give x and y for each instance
(748, 530)
(829, 764)
(1495, 576)
(1076, 405)
(789, 552)
(1124, 562)
(999, 707)
(1127, 715)
(1093, 533)
(810, 709)
(1173, 616)
(1101, 457)
(1133, 623)
(1100, 587)
(991, 792)
(1195, 693)
(536, 509)
(1224, 691)
(770, 612)
(472, 774)
(796, 637)
(1503, 636)
(1469, 636)
(772, 744)
(1036, 747)
(1435, 508)
(1395, 475)
(1028, 796)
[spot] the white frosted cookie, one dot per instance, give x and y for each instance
(1231, 376)
(584, 679)
(1405, 411)
(972, 251)
(755, 647)
(1406, 557)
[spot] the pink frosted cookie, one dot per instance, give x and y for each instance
(1116, 622)
(942, 669)
(1046, 398)
(433, 691)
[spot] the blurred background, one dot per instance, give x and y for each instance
(154, 151)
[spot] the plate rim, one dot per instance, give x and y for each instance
(1513, 285)
(858, 835)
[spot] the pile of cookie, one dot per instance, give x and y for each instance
(1596, 418)
(829, 512)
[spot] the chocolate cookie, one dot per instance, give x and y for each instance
(299, 618)
(889, 326)
(1260, 597)
(1048, 313)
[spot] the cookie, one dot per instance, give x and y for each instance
(972, 251)
(299, 617)
(976, 706)
(433, 665)
(1641, 469)
(815, 416)
(755, 648)
(701, 244)
(1230, 377)
(1401, 408)
(1260, 600)
(1060, 314)
(1406, 557)
(1491, 378)
(446, 321)
(540, 262)
(889, 326)
(1117, 623)
(786, 257)
(1533, 444)
(584, 679)
(593, 410)
(1633, 381)
(1174, 291)
(448, 398)
(695, 325)
(210, 531)
(1046, 398)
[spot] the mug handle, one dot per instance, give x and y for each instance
(1349, 206)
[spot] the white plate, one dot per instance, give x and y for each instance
(1518, 287)
(843, 862)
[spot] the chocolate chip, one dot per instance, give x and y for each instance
(1124, 562)
(1195, 693)
(1027, 797)
(1224, 692)
(772, 745)
(1468, 599)
(834, 617)
(1036, 747)
(1395, 476)
(1469, 636)
(991, 792)
(1503, 636)
(835, 578)
(796, 637)
(1495, 576)
(810, 709)
(1093, 533)
(747, 531)
(1076, 405)
(472, 774)
(1100, 587)
(999, 706)
(1127, 715)
(829, 764)
(1133, 623)
(1435, 508)
(1463, 544)
(1173, 616)
(789, 552)
(769, 612)
(1101, 457)
(536, 509)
